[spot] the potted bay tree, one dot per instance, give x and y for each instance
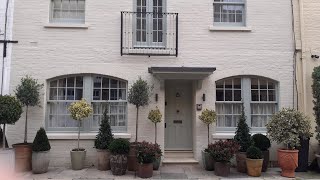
(40, 152)
(10, 112)
(287, 127)
(139, 94)
(79, 111)
(119, 149)
(102, 142)
(155, 116)
(254, 161)
(28, 93)
(208, 117)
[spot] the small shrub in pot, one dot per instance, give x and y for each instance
(254, 161)
(40, 152)
(119, 149)
(146, 155)
(263, 143)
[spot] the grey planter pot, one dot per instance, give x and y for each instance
(40, 162)
(208, 161)
(103, 160)
(156, 164)
(77, 159)
(118, 164)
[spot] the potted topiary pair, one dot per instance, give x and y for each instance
(254, 161)
(208, 117)
(263, 143)
(287, 127)
(146, 155)
(79, 111)
(102, 142)
(222, 152)
(40, 152)
(119, 149)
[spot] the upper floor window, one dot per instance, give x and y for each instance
(229, 12)
(104, 93)
(257, 95)
(67, 11)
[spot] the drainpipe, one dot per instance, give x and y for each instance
(4, 38)
(303, 57)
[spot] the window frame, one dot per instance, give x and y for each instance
(87, 124)
(246, 100)
(66, 20)
(229, 24)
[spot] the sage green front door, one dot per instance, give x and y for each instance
(178, 115)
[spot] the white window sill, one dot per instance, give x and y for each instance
(61, 25)
(230, 28)
(230, 135)
(83, 136)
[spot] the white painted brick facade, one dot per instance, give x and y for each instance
(45, 53)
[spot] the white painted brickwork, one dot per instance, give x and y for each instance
(49, 52)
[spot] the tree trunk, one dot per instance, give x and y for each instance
(26, 127)
(4, 137)
(79, 125)
(155, 126)
(208, 134)
(137, 123)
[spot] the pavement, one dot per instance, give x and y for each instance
(194, 172)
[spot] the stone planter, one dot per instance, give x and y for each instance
(23, 157)
(208, 161)
(156, 164)
(222, 169)
(118, 164)
(254, 167)
(288, 161)
(40, 162)
(77, 159)
(7, 160)
(145, 170)
(241, 162)
(266, 159)
(132, 158)
(103, 160)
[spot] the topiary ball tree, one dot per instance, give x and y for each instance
(316, 100)
(261, 141)
(155, 117)
(119, 146)
(105, 136)
(254, 153)
(139, 94)
(28, 93)
(243, 136)
(10, 112)
(41, 142)
(208, 117)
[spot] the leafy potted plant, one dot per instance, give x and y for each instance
(10, 112)
(119, 149)
(263, 143)
(222, 152)
(155, 117)
(139, 94)
(242, 137)
(156, 163)
(102, 142)
(79, 111)
(286, 127)
(208, 117)
(40, 152)
(146, 155)
(28, 93)
(254, 161)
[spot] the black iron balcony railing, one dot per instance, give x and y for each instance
(149, 33)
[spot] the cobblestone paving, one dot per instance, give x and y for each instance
(166, 172)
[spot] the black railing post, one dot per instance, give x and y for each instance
(121, 36)
(177, 21)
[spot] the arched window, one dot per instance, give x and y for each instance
(257, 95)
(103, 92)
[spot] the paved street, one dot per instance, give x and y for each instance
(166, 172)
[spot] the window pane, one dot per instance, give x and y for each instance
(105, 94)
(122, 94)
(271, 85)
(96, 94)
(70, 82)
(53, 84)
(114, 83)
(114, 94)
(220, 95)
(272, 95)
(219, 84)
(263, 83)
(79, 94)
(255, 95)
(237, 83)
(97, 82)
(237, 95)
(228, 83)
(61, 93)
(105, 83)
(53, 94)
(254, 83)
(62, 82)
(263, 95)
(79, 81)
(228, 96)
(70, 94)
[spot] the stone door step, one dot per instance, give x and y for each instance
(178, 154)
(176, 160)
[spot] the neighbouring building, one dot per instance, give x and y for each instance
(215, 54)
(5, 62)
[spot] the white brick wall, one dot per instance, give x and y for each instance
(49, 52)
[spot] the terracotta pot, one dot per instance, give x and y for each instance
(222, 169)
(266, 159)
(145, 170)
(103, 160)
(132, 158)
(254, 167)
(40, 162)
(77, 159)
(156, 164)
(118, 164)
(23, 157)
(241, 162)
(288, 161)
(208, 161)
